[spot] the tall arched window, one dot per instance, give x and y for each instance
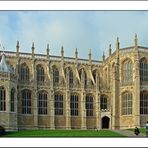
(24, 75)
(40, 74)
(42, 103)
(104, 103)
(70, 77)
(55, 75)
(127, 103)
(2, 99)
(144, 103)
(89, 105)
(12, 100)
(58, 104)
(74, 106)
(143, 70)
(127, 72)
(26, 101)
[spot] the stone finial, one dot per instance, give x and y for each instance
(47, 46)
(32, 45)
(103, 56)
(89, 55)
(17, 44)
(117, 44)
(47, 51)
(62, 51)
(110, 50)
(136, 41)
(117, 39)
(17, 48)
(76, 55)
(33, 49)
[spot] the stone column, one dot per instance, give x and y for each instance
(136, 94)
(109, 71)
(52, 125)
(116, 99)
(67, 110)
(51, 79)
(83, 110)
(97, 110)
(35, 108)
(97, 102)
(19, 106)
(16, 105)
(8, 97)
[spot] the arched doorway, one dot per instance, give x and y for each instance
(105, 122)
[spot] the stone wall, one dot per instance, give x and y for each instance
(75, 122)
(90, 123)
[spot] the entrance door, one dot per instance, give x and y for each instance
(105, 122)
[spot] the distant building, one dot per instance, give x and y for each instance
(57, 92)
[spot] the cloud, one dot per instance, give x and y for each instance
(73, 29)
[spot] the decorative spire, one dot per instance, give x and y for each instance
(17, 48)
(103, 56)
(117, 45)
(32, 45)
(76, 55)
(47, 50)
(89, 55)
(62, 52)
(17, 45)
(136, 41)
(33, 50)
(110, 50)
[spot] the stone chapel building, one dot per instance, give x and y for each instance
(58, 92)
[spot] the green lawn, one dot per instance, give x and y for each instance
(63, 133)
(143, 130)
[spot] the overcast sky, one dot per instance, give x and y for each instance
(83, 30)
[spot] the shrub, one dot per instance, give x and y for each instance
(2, 130)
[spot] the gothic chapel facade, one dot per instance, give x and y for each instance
(57, 92)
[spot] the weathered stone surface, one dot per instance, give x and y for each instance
(103, 78)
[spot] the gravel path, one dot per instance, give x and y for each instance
(130, 133)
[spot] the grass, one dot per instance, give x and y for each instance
(63, 133)
(143, 130)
